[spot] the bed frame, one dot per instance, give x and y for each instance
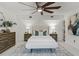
(51, 49)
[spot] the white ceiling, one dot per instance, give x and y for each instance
(18, 8)
(23, 12)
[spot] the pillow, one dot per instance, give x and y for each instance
(36, 33)
(45, 33)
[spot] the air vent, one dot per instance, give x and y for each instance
(30, 16)
(51, 16)
(1, 19)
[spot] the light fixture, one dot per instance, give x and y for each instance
(30, 16)
(39, 9)
(51, 16)
(52, 24)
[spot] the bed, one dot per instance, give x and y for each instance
(41, 42)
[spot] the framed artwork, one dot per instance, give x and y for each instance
(74, 24)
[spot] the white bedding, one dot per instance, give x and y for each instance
(36, 42)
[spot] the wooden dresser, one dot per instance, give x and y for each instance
(54, 36)
(7, 40)
(27, 36)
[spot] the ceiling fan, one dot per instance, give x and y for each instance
(43, 8)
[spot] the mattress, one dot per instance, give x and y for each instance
(37, 42)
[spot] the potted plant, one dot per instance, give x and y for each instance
(7, 25)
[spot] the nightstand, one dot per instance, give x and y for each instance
(54, 36)
(27, 36)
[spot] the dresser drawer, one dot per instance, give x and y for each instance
(4, 43)
(10, 35)
(7, 40)
(27, 36)
(11, 41)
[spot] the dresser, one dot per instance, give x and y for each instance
(54, 36)
(7, 40)
(27, 36)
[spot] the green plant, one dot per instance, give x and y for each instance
(8, 24)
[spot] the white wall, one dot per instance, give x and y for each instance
(20, 28)
(69, 37)
(60, 30)
(45, 24)
(42, 24)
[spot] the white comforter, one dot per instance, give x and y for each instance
(36, 42)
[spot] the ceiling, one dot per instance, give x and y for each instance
(23, 12)
(20, 9)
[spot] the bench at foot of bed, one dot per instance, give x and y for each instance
(52, 50)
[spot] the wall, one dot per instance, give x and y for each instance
(20, 28)
(71, 39)
(47, 24)
(41, 23)
(60, 29)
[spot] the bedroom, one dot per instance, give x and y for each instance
(39, 26)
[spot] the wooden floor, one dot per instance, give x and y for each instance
(21, 51)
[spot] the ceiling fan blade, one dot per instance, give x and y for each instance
(28, 9)
(42, 13)
(57, 7)
(37, 4)
(34, 12)
(26, 4)
(48, 11)
(47, 4)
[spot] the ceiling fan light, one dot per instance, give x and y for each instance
(30, 16)
(39, 10)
